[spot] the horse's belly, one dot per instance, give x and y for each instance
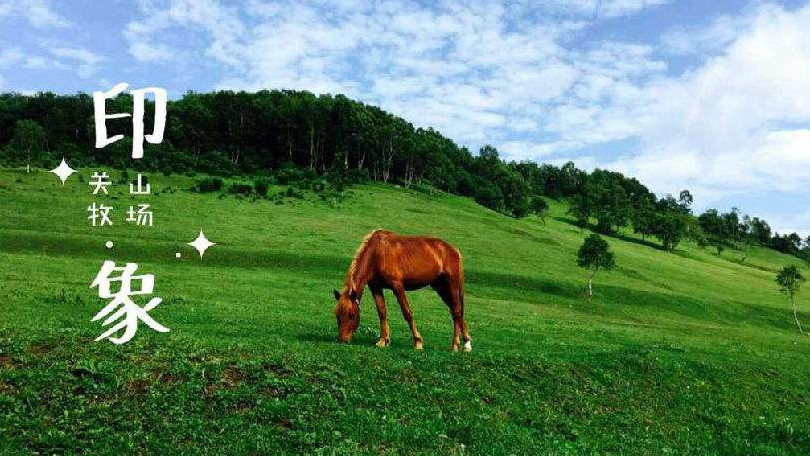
(416, 284)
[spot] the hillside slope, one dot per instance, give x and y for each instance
(686, 352)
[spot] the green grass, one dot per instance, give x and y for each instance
(684, 353)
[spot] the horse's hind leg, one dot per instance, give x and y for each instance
(466, 335)
(457, 286)
(399, 292)
(448, 291)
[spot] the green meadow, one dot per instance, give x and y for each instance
(678, 353)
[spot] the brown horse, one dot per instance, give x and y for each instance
(400, 263)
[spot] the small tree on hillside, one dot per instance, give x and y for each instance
(540, 207)
(670, 229)
(594, 254)
(28, 136)
(790, 281)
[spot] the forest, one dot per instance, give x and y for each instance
(278, 132)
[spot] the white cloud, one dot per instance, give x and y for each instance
(42, 63)
(599, 8)
(529, 150)
(220, 23)
(476, 70)
(725, 127)
(38, 13)
(10, 56)
(796, 222)
(86, 62)
(517, 75)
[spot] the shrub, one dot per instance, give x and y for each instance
(520, 207)
(489, 196)
(208, 184)
(261, 186)
(289, 174)
(424, 187)
(241, 189)
(293, 193)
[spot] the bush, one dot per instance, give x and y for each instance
(261, 186)
(293, 193)
(520, 207)
(289, 174)
(424, 187)
(320, 186)
(356, 176)
(489, 196)
(241, 189)
(208, 184)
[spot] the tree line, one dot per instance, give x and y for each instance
(267, 132)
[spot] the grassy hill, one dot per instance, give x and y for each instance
(684, 353)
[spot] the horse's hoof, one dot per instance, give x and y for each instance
(418, 346)
(382, 343)
(454, 348)
(468, 346)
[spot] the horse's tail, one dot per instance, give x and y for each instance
(465, 331)
(460, 281)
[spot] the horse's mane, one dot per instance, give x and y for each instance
(360, 260)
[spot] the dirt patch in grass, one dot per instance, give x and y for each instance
(275, 392)
(233, 375)
(284, 424)
(138, 386)
(162, 377)
(277, 368)
(83, 372)
(7, 362)
(39, 349)
(209, 390)
(6, 389)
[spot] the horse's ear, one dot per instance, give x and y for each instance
(353, 296)
(337, 295)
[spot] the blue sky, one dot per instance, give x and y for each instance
(705, 95)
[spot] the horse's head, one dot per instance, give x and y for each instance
(347, 312)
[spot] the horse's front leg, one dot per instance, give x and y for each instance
(379, 299)
(399, 291)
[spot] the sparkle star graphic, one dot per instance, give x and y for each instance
(201, 243)
(63, 171)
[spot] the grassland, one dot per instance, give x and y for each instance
(684, 353)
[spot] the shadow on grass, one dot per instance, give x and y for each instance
(80, 246)
(621, 236)
(533, 237)
(504, 285)
(362, 338)
(318, 337)
(612, 300)
(749, 264)
(726, 313)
